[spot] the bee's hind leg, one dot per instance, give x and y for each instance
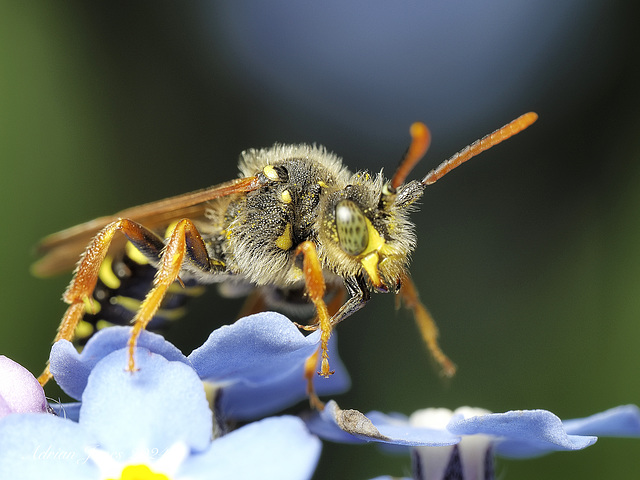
(184, 245)
(86, 275)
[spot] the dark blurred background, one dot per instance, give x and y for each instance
(528, 257)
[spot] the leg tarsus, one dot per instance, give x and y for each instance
(315, 285)
(309, 375)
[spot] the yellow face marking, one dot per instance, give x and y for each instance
(285, 196)
(271, 173)
(370, 265)
(376, 242)
(284, 241)
(370, 258)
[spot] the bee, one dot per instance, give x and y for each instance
(296, 220)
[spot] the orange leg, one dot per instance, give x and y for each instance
(309, 375)
(315, 289)
(426, 324)
(184, 240)
(86, 275)
(312, 361)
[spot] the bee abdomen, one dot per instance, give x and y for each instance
(122, 286)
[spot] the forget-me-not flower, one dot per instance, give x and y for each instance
(255, 365)
(153, 424)
(480, 435)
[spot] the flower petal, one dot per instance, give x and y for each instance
(351, 426)
(71, 369)
(259, 363)
(20, 392)
(160, 404)
(44, 446)
(389, 477)
(274, 448)
(70, 411)
(622, 421)
(521, 433)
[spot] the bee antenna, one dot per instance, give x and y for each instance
(420, 140)
(479, 146)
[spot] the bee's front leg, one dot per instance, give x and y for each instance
(315, 285)
(359, 295)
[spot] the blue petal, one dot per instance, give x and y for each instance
(351, 426)
(71, 369)
(160, 404)
(389, 477)
(521, 433)
(622, 421)
(278, 448)
(70, 411)
(259, 362)
(44, 446)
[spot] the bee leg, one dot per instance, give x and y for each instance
(255, 303)
(426, 324)
(315, 289)
(309, 375)
(359, 295)
(337, 299)
(86, 275)
(185, 244)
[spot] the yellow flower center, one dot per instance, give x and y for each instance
(140, 472)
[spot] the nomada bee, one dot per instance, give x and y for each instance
(295, 221)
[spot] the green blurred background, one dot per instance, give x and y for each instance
(528, 257)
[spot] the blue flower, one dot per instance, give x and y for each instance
(20, 392)
(480, 435)
(351, 426)
(154, 422)
(255, 366)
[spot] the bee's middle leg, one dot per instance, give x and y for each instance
(184, 245)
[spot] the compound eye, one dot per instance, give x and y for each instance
(352, 228)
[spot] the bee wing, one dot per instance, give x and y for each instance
(60, 251)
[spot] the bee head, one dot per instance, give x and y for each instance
(366, 231)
